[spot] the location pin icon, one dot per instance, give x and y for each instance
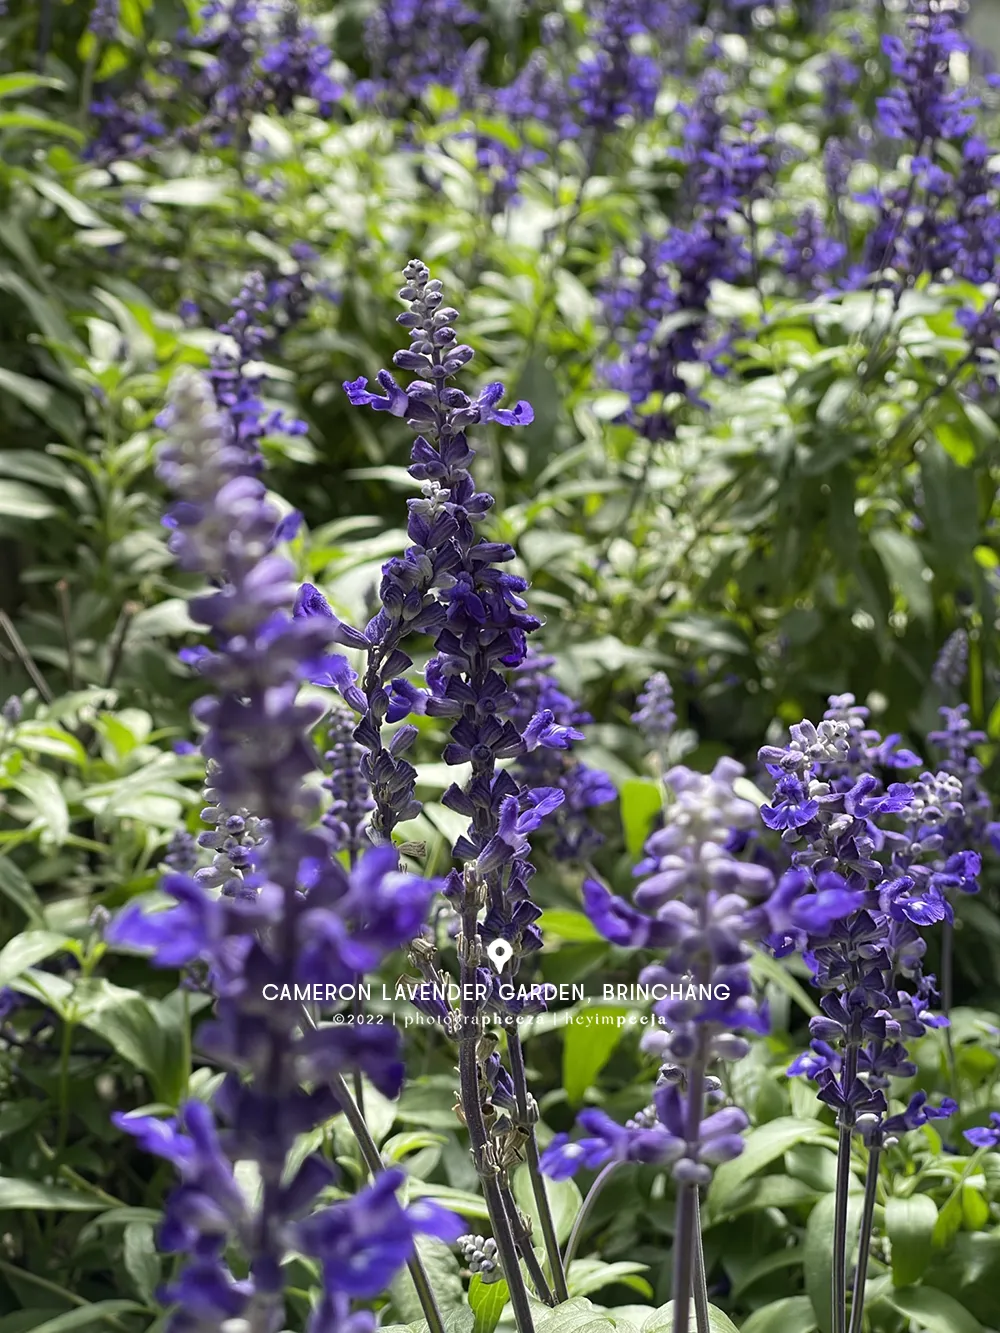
(499, 953)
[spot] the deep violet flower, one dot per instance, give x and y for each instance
(296, 917)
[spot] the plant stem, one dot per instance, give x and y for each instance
(27, 661)
(62, 591)
(701, 1313)
(947, 987)
(846, 1127)
(483, 1154)
(65, 1051)
(520, 1080)
(373, 1160)
(522, 1239)
(586, 1208)
(687, 1197)
(865, 1241)
(23, 1275)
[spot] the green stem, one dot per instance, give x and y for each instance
(586, 1209)
(65, 1051)
(522, 1239)
(520, 1080)
(865, 1241)
(373, 1160)
(64, 1294)
(702, 1315)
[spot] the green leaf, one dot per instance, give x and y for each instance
(564, 1202)
(27, 503)
(188, 193)
(86, 1316)
(764, 968)
(909, 1224)
(588, 1046)
(28, 120)
(401, 1145)
(127, 1022)
(950, 504)
(15, 886)
(949, 1221)
(578, 1315)
(762, 1146)
(904, 567)
(442, 1268)
(54, 408)
(45, 794)
(74, 207)
(142, 1263)
(564, 924)
(794, 1314)
(118, 1217)
(935, 1311)
(790, 1257)
(588, 1275)
(26, 1321)
(27, 949)
(20, 1195)
(486, 1300)
(46, 738)
(662, 1321)
(641, 802)
(817, 1259)
(22, 82)
(459, 1201)
(975, 1209)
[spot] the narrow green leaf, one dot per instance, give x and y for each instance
(23, 82)
(28, 503)
(19, 1195)
(589, 1275)
(764, 968)
(45, 794)
(142, 1263)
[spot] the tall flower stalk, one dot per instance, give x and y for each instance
(837, 818)
(698, 908)
(451, 585)
(298, 917)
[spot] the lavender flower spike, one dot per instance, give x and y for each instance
(297, 917)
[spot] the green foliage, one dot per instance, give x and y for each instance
(819, 521)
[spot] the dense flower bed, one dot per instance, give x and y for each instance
(505, 841)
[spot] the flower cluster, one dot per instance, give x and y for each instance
(660, 319)
(614, 81)
(699, 907)
(297, 917)
(584, 788)
(451, 584)
(837, 818)
(414, 44)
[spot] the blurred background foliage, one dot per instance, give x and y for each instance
(819, 516)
